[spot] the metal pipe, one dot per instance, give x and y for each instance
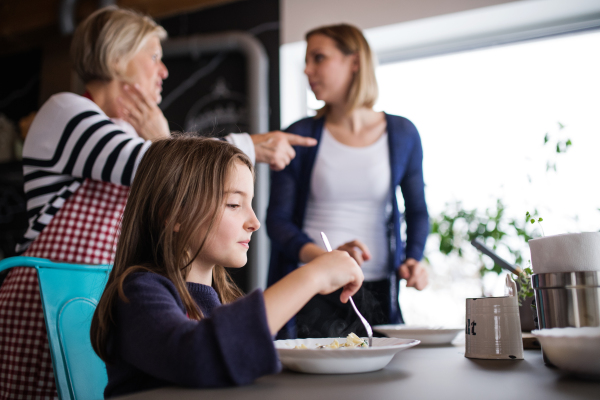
(258, 100)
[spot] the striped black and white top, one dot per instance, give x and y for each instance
(72, 139)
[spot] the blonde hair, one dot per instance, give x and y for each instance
(105, 41)
(350, 40)
(180, 181)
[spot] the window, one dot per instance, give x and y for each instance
(483, 116)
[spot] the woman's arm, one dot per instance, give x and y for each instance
(273, 148)
(416, 217)
(413, 191)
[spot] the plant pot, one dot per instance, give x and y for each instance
(528, 315)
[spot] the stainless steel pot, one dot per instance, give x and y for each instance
(567, 299)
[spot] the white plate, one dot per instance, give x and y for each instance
(339, 361)
(427, 335)
(572, 349)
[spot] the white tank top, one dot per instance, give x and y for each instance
(350, 198)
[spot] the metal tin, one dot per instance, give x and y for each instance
(567, 299)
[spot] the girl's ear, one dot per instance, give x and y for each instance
(176, 227)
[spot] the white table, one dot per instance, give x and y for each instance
(418, 373)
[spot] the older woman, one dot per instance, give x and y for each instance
(346, 187)
(79, 158)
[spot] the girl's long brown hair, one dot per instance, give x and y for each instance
(180, 181)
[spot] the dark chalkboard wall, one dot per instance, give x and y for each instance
(216, 102)
(214, 99)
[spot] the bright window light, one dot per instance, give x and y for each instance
(483, 116)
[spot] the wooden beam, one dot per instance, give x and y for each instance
(164, 8)
(20, 17)
(26, 16)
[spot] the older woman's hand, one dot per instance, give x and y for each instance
(275, 148)
(415, 274)
(142, 113)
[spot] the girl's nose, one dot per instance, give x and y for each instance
(253, 223)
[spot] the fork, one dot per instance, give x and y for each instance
(362, 319)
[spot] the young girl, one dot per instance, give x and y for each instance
(170, 314)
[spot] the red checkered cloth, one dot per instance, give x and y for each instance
(83, 231)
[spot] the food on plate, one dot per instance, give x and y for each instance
(352, 341)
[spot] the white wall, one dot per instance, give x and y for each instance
(299, 16)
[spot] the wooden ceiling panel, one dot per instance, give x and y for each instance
(25, 17)
(20, 17)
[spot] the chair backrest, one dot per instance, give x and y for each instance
(70, 294)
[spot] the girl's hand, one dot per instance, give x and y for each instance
(416, 276)
(325, 274)
(357, 250)
(142, 113)
(334, 270)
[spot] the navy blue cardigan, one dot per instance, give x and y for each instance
(290, 189)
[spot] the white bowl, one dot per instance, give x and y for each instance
(427, 335)
(572, 349)
(342, 360)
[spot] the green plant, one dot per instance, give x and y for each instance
(456, 227)
(529, 218)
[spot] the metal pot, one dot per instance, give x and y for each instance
(567, 299)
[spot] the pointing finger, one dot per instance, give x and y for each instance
(297, 140)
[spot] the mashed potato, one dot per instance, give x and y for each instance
(352, 341)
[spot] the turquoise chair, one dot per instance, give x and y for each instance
(70, 294)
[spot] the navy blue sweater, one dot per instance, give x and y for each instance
(290, 189)
(155, 344)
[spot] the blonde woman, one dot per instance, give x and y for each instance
(346, 187)
(79, 159)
